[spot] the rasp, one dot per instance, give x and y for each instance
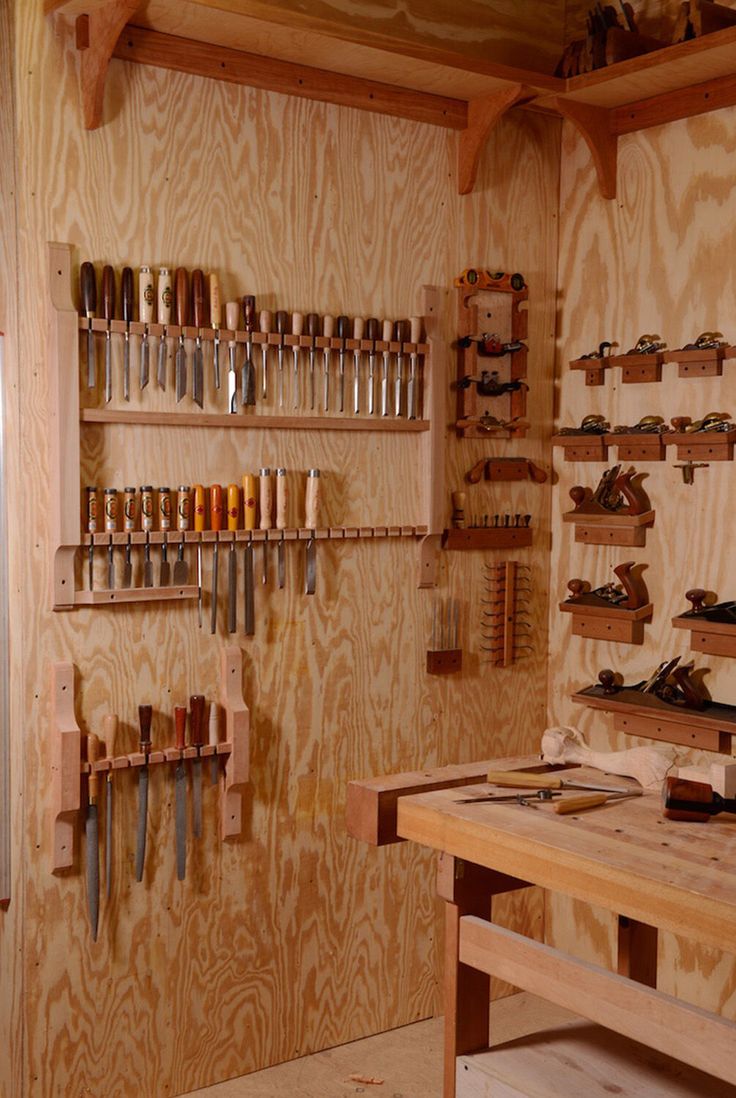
(145, 315)
(232, 313)
(108, 312)
(93, 836)
(266, 523)
(311, 509)
(216, 525)
(111, 525)
(399, 384)
(180, 793)
(281, 508)
(297, 327)
(371, 334)
(198, 317)
(164, 522)
(343, 331)
(264, 322)
(312, 332)
(130, 518)
(147, 526)
(282, 319)
(127, 294)
(328, 328)
(91, 497)
(248, 380)
(183, 506)
(164, 298)
(386, 337)
(249, 524)
(358, 325)
(145, 713)
(213, 738)
(199, 521)
(415, 333)
(109, 729)
(181, 298)
(233, 514)
(215, 321)
(196, 737)
(88, 287)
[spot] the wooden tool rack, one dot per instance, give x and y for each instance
(638, 369)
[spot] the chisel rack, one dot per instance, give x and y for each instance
(504, 628)
(68, 763)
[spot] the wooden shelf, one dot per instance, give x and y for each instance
(251, 422)
(582, 446)
(716, 638)
(610, 529)
(107, 597)
(638, 445)
(492, 537)
(609, 623)
(703, 445)
(208, 537)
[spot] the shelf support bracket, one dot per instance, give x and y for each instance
(97, 33)
(434, 301)
(237, 723)
(67, 741)
(483, 114)
(594, 125)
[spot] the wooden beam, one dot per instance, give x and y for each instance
(97, 33)
(252, 70)
(483, 115)
(672, 106)
(594, 123)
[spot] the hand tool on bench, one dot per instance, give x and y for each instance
(371, 333)
(265, 321)
(108, 312)
(249, 522)
(282, 320)
(232, 314)
(130, 519)
(281, 506)
(328, 328)
(147, 526)
(233, 514)
(93, 835)
(297, 327)
(415, 334)
(145, 316)
(198, 316)
(183, 513)
(386, 337)
(91, 501)
(312, 332)
(111, 525)
(213, 738)
(358, 325)
(127, 294)
(196, 739)
(163, 315)
(88, 287)
(145, 713)
(683, 799)
(517, 779)
(215, 321)
(568, 805)
(399, 334)
(164, 522)
(343, 331)
(248, 383)
(199, 524)
(109, 731)
(216, 525)
(513, 798)
(181, 303)
(311, 508)
(180, 792)
(266, 522)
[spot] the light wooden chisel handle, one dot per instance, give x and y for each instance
(516, 779)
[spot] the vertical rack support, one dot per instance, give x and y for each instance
(433, 443)
(67, 746)
(237, 723)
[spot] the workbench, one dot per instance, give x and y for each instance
(655, 874)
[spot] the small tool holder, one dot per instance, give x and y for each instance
(504, 628)
(444, 655)
(612, 612)
(616, 512)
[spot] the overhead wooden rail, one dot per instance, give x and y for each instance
(406, 79)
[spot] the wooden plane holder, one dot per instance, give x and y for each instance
(488, 537)
(582, 446)
(610, 529)
(68, 764)
(704, 362)
(703, 445)
(444, 661)
(595, 369)
(608, 623)
(717, 638)
(638, 369)
(638, 445)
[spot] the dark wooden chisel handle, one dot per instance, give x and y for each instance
(88, 286)
(180, 726)
(108, 292)
(181, 295)
(196, 725)
(145, 713)
(127, 293)
(198, 309)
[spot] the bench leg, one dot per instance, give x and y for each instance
(637, 951)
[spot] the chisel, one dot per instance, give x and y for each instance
(88, 287)
(399, 332)
(415, 333)
(109, 731)
(181, 299)
(198, 317)
(358, 325)
(266, 523)
(111, 525)
(164, 522)
(183, 509)
(180, 792)
(249, 523)
(282, 319)
(147, 526)
(145, 315)
(91, 497)
(215, 524)
(248, 383)
(127, 294)
(108, 312)
(199, 525)
(130, 518)
(281, 505)
(343, 331)
(371, 333)
(311, 508)
(328, 328)
(196, 739)
(264, 323)
(312, 332)
(93, 836)
(233, 514)
(164, 298)
(213, 738)
(297, 327)
(386, 337)
(145, 713)
(232, 314)
(215, 321)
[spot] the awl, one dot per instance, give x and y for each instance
(108, 311)
(196, 738)
(180, 792)
(181, 298)
(216, 525)
(145, 713)
(93, 836)
(311, 508)
(88, 287)
(198, 317)
(127, 293)
(145, 316)
(233, 515)
(164, 298)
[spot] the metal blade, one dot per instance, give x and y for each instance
(93, 869)
(281, 563)
(232, 589)
(108, 368)
(197, 797)
(371, 385)
(356, 383)
(342, 381)
(411, 392)
(216, 360)
(311, 567)
(248, 383)
(181, 568)
(264, 572)
(398, 385)
(110, 568)
(327, 381)
(281, 376)
(180, 783)
(181, 372)
(214, 769)
(198, 376)
(161, 370)
(199, 581)
(311, 379)
(126, 368)
(127, 567)
(384, 387)
(108, 839)
(249, 627)
(91, 565)
(164, 577)
(145, 367)
(232, 384)
(148, 567)
(264, 375)
(91, 364)
(213, 617)
(140, 841)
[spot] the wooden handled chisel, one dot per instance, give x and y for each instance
(249, 523)
(88, 287)
(297, 327)
(213, 738)
(93, 836)
(109, 731)
(343, 331)
(358, 326)
(180, 792)
(130, 521)
(183, 509)
(215, 321)
(264, 323)
(164, 522)
(181, 301)
(371, 334)
(216, 525)
(282, 320)
(127, 294)
(266, 521)
(386, 333)
(233, 515)
(415, 334)
(199, 525)
(198, 317)
(145, 713)
(248, 377)
(108, 312)
(281, 506)
(328, 328)
(519, 779)
(145, 315)
(164, 297)
(312, 332)
(196, 738)
(111, 525)
(147, 526)
(399, 336)
(91, 509)
(232, 314)
(311, 508)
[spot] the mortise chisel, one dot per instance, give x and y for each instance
(88, 287)
(216, 525)
(233, 514)
(145, 713)
(127, 294)
(164, 298)
(130, 520)
(145, 316)
(92, 831)
(111, 525)
(232, 314)
(181, 301)
(183, 508)
(108, 312)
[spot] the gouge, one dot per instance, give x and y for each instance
(297, 327)
(282, 319)
(196, 739)
(371, 333)
(569, 805)
(88, 287)
(199, 525)
(233, 514)
(164, 298)
(264, 322)
(215, 321)
(249, 522)
(216, 525)
(343, 331)
(311, 508)
(127, 294)
(386, 338)
(358, 325)
(281, 505)
(91, 498)
(248, 383)
(108, 312)
(266, 523)
(145, 315)
(130, 520)
(183, 509)
(145, 713)
(109, 731)
(198, 316)
(111, 525)
(93, 835)
(180, 792)
(164, 522)
(232, 314)
(181, 299)
(312, 332)
(328, 328)
(147, 526)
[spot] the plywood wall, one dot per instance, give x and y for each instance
(655, 260)
(295, 938)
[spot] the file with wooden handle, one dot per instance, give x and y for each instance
(199, 525)
(88, 287)
(215, 321)
(216, 525)
(198, 316)
(145, 714)
(108, 312)
(127, 293)
(232, 314)
(233, 514)
(248, 382)
(181, 302)
(92, 831)
(109, 733)
(180, 792)
(311, 508)
(163, 297)
(183, 508)
(196, 739)
(145, 316)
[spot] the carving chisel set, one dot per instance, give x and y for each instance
(347, 366)
(444, 654)
(504, 627)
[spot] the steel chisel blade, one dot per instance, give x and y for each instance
(93, 869)
(197, 797)
(108, 840)
(145, 367)
(198, 378)
(161, 371)
(248, 608)
(140, 843)
(181, 373)
(180, 780)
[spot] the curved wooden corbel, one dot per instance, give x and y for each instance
(97, 34)
(483, 114)
(594, 124)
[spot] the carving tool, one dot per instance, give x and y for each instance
(232, 313)
(312, 332)
(297, 327)
(91, 494)
(512, 798)
(248, 385)
(180, 792)
(164, 298)
(108, 311)
(358, 325)
(264, 322)
(386, 337)
(196, 738)
(328, 327)
(213, 738)
(181, 297)
(109, 731)
(93, 836)
(399, 331)
(128, 294)
(591, 800)
(88, 287)
(147, 526)
(199, 522)
(343, 331)
(164, 522)
(183, 506)
(282, 319)
(130, 517)
(371, 333)
(517, 779)
(281, 505)
(249, 522)
(266, 493)
(111, 525)
(145, 713)
(215, 321)
(415, 333)
(145, 315)
(311, 507)
(216, 525)
(233, 514)
(198, 316)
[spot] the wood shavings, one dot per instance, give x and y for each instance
(367, 1079)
